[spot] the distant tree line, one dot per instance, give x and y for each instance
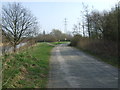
(53, 36)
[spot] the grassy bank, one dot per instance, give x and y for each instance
(28, 68)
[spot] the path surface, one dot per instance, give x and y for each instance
(71, 68)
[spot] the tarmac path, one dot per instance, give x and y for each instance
(72, 68)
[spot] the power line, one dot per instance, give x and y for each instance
(79, 26)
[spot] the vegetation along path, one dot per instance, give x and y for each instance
(71, 68)
(28, 68)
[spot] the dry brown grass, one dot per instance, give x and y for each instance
(105, 48)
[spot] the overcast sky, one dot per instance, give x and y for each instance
(51, 14)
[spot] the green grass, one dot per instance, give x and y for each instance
(110, 59)
(61, 42)
(28, 68)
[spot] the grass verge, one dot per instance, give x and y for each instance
(28, 68)
(56, 43)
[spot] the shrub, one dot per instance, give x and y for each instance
(75, 40)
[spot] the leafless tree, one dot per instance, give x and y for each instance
(87, 17)
(96, 24)
(17, 23)
(83, 28)
(75, 29)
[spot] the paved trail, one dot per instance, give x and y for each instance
(71, 68)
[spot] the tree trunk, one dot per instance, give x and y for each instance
(88, 27)
(14, 48)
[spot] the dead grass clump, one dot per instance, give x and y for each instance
(23, 69)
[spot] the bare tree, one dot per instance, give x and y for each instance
(75, 29)
(17, 22)
(96, 24)
(83, 29)
(87, 17)
(83, 23)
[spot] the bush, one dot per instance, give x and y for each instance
(104, 48)
(75, 40)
